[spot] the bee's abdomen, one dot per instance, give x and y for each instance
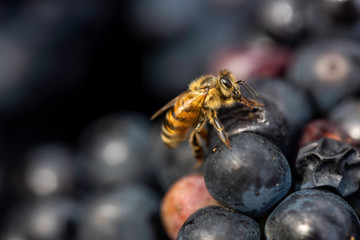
(179, 119)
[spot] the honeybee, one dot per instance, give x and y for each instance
(189, 111)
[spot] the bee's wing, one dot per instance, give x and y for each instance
(169, 105)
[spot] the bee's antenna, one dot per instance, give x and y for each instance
(248, 88)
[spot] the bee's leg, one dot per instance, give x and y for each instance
(219, 128)
(199, 128)
(255, 103)
(200, 123)
(246, 102)
(195, 144)
(250, 103)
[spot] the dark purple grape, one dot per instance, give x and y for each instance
(283, 19)
(114, 149)
(322, 128)
(184, 197)
(129, 212)
(328, 16)
(251, 177)
(49, 170)
(253, 61)
(329, 163)
(347, 117)
(266, 121)
(328, 69)
(45, 219)
(312, 214)
(12, 234)
(294, 103)
(215, 222)
(170, 164)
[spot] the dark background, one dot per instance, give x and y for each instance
(82, 62)
(94, 68)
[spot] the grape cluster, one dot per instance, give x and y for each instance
(293, 165)
(81, 160)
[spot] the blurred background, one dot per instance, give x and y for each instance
(79, 81)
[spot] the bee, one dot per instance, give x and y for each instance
(188, 112)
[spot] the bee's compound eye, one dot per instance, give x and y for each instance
(226, 82)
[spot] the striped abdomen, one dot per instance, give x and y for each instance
(181, 118)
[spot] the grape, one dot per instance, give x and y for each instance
(294, 103)
(266, 121)
(320, 128)
(313, 214)
(113, 148)
(47, 218)
(50, 170)
(216, 222)
(347, 117)
(251, 177)
(186, 196)
(328, 69)
(129, 212)
(283, 20)
(253, 61)
(169, 165)
(328, 162)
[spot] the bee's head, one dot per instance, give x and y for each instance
(228, 85)
(231, 88)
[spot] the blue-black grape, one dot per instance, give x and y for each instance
(283, 20)
(329, 163)
(346, 115)
(47, 218)
(114, 149)
(129, 212)
(251, 177)
(267, 121)
(294, 103)
(327, 16)
(169, 165)
(215, 222)
(50, 170)
(313, 214)
(328, 69)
